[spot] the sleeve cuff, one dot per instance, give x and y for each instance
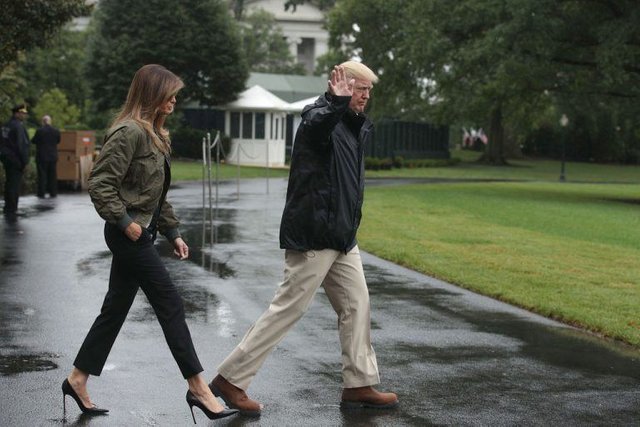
(172, 234)
(124, 222)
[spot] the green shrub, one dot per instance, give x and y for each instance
(386, 164)
(186, 142)
(371, 163)
(398, 161)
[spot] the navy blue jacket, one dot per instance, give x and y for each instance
(326, 179)
(14, 145)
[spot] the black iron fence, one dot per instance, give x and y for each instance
(409, 140)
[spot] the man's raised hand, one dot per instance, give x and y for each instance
(338, 84)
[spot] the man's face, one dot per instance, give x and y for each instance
(21, 116)
(361, 92)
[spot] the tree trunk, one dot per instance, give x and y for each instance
(494, 152)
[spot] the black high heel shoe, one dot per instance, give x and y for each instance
(68, 390)
(192, 401)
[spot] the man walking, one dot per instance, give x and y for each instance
(318, 230)
(14, 151)
(46, 141)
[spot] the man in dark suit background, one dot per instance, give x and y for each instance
(46, 141)
(14, 153)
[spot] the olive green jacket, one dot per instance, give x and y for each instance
(127, 180)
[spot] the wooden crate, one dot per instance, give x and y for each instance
(80, 142)
(68, 168)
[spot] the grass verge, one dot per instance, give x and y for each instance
(524, 170)
(566, 251)
(191, 170)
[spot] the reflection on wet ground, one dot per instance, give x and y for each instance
(95, 264)
(9, 260)
(202, 258)
(198, 302)
(199, 239)
(19, 363)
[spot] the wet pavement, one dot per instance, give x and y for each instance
(454, 358)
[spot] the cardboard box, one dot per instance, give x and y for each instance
(80, 142)
(68, 168)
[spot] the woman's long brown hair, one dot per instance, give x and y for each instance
(152, 86)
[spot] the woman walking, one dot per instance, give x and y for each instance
(128, 186)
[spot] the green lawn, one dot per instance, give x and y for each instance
(537, 170)
(567, 251)
(189, 170)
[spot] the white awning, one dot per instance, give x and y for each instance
(296, 107)
(257, 98)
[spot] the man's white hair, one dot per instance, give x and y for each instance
(357, 70)
(46, 119)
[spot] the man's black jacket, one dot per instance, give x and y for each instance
(326, 180)
(46, 141)
(14, 144)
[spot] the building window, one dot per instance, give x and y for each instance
(277, 123)
(260, 123)
(247, 125)
(307, 53)
(235, 125)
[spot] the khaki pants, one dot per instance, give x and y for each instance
(342, 277)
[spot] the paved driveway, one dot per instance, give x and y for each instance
(454, 358)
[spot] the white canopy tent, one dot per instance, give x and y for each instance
(256, 123)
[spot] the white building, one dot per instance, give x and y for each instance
(304, 29)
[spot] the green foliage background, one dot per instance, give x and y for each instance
(196, 39)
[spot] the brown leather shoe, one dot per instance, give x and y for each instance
(235, 397)
(367, 397)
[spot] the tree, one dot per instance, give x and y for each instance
(501, 63)
(55, 104)
(265, 46)
(60, 65)
(11, 85)
(29, 23)
(375, 32)
(196, 39)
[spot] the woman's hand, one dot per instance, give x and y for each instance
(181, 249)
(133, 231)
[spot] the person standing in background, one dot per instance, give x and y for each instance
(14, 152)
(46, 141)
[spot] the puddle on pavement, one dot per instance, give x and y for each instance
(99, 261)
(220, 215)
(565, 347)
(9, 260)
(19, 363)
(384, 283)
(224, 231)
(199, 304)
(43, 208)
(203, 259)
